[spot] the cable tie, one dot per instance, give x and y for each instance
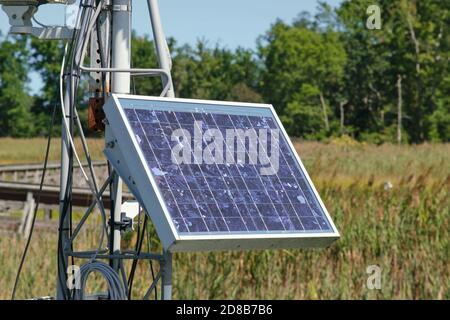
(73, 74)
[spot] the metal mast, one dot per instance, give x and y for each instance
(110, 71)
(120, 83)
(120, 72)
(165, 63)
(64, 209)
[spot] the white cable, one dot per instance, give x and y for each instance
(90, 184)
(64, 116)
(88, 31)
(97, 12)
(116, 290)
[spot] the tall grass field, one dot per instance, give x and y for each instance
(390, 203)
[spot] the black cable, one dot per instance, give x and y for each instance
(112, 205)
(151, 262)
(67, 208)
(102, 56)
(139, 235)
(61, 259)
(136, 246)
(39, 23)
(67, 195)
(77, 42)
(135, 261)
(36, 208)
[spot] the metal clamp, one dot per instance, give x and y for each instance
(123, 225)
(121, 7)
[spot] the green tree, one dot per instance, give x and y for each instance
(15, 117)
(413, 43)
(46, 58)
(216, 73)
(304, 66)
(144, 56)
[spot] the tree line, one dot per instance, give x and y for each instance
(326, 74)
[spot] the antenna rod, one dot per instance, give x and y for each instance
(121, 58)
(165, 63)
(64, 207)
(162, 50)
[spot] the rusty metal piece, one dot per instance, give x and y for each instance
(96, 115)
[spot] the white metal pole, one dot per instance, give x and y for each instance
(165, 63)
(121, 45)
(166, 278)
(64, 174)
(162, 50)
(121, 58)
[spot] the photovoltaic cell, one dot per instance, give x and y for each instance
(226, 197)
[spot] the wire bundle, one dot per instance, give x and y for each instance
(116, 290)
(74, 54)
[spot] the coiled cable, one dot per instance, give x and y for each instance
(116, 290)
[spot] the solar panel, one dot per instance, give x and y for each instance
(215, 175)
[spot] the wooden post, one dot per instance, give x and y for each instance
(29, 219)
(27, 216)
(324, 111)
(399, 109)
(48, 212)
(342, 112)
(36, 176)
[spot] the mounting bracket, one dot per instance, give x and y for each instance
(20, 16)
(47, 33)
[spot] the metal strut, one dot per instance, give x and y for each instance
(116, 69)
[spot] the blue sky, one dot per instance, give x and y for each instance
(230, 23)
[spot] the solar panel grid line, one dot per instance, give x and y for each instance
(183, 218)
(290, 201)
(246, 185)
(176, 220)
(309, 201)
(241, 206)
(243, 142)
(282, 203)
(272, 203)
(282, 221)
(210, 190)
(251, 217)
(303, 194)
(231, 193)
(277, 206)
(208, 184)
(140, 123)
(234, 203)
(284, 189)
(267, 203)
(177, 204)
(305, 176)
(271, 183)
